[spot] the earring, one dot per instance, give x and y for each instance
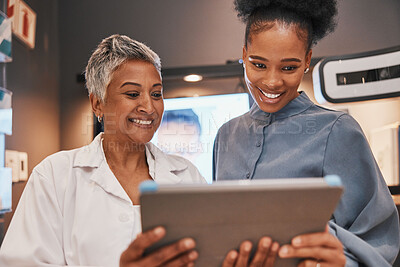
(99, 119)
(306, 70)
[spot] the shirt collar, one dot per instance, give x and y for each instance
(90, 155)
(162, 167)
(294, 107)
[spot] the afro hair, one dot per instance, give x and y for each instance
(317, 16)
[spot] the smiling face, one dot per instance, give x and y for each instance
(275, 60)
(133, 105)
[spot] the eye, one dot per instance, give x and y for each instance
(259, 65)
(157, 94)
(132, 94)
(289, 68)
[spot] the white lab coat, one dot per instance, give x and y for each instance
(74, 212)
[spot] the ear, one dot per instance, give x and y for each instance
(308, 58)
(97, 105)
(244, 55)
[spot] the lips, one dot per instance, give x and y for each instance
(141, 122)
(269, 95)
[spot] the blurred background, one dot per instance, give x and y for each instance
(51, 111)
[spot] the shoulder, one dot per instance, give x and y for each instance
(344, 132)
(53, 174)
(348, 128)
(57, 163)
(333, 118)
(338, 120)
(329, 114)
(63, 162)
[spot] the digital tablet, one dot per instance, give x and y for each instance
(221, 215)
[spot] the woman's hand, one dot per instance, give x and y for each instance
(180, 253)
(318, 250)
(264, 257)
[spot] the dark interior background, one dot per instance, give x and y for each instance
(51, 109)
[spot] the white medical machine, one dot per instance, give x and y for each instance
(358, 77)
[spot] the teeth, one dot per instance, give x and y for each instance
(270, 95)
(141, 121)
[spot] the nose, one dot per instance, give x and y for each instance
(146, 104)
(272, 79)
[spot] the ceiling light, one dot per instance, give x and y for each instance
(192, 78)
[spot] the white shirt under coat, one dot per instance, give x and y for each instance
(74, 212)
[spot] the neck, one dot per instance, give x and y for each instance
(124, 153)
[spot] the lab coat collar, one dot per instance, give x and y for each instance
(294, 107)
(162, 168)
(90, 155)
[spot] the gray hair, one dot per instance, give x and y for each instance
(111, 53)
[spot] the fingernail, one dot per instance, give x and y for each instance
(158, 231)
(247, 247)
(193, 255)
(188, 243)
(284, 251)
(233, 255)
(296, 241)
(266, 243)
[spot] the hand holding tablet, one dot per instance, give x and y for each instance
(220, 216)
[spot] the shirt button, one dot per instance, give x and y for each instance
(258, 144)
(248, 175)
(123, 217)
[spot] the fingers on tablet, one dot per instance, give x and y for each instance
(230, 259)
(180, 253)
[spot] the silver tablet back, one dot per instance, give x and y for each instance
(220, 216)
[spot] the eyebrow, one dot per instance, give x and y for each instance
(291, 59)
(131, 83)
(282, 60)
(138, 84)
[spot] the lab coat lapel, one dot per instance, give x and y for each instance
(162, 167)
(106, 179)
(92, 156)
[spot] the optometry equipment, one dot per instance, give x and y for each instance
(358, 77)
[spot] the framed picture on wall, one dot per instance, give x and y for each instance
(23, 21)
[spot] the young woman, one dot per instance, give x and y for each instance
(81, 207)
(286, 135)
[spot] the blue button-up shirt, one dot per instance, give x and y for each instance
(306, 140)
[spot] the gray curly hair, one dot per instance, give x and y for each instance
(111, 53)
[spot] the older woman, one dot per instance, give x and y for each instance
(287, 135)
(81, 207)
